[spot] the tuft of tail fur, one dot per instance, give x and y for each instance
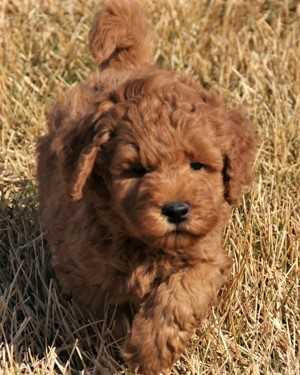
(119, 35)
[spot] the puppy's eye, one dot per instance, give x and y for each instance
(137, 170)
(197, 166)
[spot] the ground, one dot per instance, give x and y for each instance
(248, 51)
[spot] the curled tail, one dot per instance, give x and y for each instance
(119, 35)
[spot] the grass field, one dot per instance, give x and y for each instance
(248, 51)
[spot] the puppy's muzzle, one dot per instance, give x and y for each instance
(176, 212)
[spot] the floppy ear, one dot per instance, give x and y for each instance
(238, 139)
(119, 35)
(77, 147)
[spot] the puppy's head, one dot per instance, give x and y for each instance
(168, 154)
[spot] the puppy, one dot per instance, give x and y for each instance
(137, 175)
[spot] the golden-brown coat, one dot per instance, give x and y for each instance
(119, 147)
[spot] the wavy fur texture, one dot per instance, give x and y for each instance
(119, 147)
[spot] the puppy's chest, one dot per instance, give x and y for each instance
(133, 270)
(144, 272)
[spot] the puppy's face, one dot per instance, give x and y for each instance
(165, 172)
(164, 156)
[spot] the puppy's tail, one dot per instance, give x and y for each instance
(119, 35)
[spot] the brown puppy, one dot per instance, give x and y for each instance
(137, 175)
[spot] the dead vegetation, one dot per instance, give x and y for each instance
(249, 51)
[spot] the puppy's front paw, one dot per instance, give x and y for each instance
(168, 318)
(155, 342)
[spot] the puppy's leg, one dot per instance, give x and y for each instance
(166, 321)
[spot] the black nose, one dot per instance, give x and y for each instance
(176, 212)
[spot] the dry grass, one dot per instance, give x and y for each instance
(249, 51)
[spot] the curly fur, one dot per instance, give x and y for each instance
(109, 241)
